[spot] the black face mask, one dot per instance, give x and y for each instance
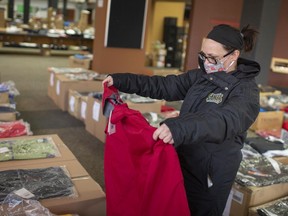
(201, 64)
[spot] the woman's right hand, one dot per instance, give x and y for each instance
(108, 80)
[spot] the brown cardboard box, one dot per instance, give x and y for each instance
(65, 153)
(80, 63)
(91, 200)
(247, 197)
(253, 210)
(4, 98)
(53, 71)
(282, 159)
(276, 92)
(74, 103)
(146, 107)
(63, 84)
(268, 120)
(95, 122)
(8, 116)
(77, 104)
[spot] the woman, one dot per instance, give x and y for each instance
(220, 102)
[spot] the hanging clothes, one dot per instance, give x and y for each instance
(142, 176)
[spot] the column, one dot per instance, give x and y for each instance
(262, 15)
(26, 14)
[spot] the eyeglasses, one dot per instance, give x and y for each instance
(211, 59)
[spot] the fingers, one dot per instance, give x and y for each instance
(163, 133)
(108, 80)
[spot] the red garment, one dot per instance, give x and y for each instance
(142, 176)
(285, 125)
(13, 129)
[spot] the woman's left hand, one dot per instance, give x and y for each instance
(164, 133)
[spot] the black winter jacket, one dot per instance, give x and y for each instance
(217, 110)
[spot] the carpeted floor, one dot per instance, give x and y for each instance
(29, 72)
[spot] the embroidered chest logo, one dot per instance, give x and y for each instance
(214, 98)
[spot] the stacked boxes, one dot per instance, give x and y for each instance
(89, 199)
(244, 198)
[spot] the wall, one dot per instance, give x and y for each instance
(280, 46)
(113, 60)
(204, 15)
(161, 10)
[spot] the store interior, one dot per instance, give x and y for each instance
(55, 54)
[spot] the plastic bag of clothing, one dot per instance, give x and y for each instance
(51, 182)
(15, 204)
(21, 149)
(261, 171)
(279, 208)
(14, 129)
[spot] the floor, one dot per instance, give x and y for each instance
(29, 73)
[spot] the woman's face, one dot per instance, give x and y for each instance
(215, 51)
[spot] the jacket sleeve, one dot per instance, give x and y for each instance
(171, 87)
(232, 118)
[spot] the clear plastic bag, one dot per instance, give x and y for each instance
(16, 205)
(279, 208)
(44, 183)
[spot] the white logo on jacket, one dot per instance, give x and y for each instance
(214, 98)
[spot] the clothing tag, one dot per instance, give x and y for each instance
(154, 116)
(24, 193)
(111, 127)
(83, 109)
(51, 79)
(58, 87)
(4, 150)
(72, 103)
(96, 111)
(275, 165)
(209, 181)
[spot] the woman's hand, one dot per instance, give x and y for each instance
(164, 133)
(108, 80)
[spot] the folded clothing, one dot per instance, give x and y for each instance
(14, 129)
(43, 183)
(263, 145)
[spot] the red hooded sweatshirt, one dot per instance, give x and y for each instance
(142, 176)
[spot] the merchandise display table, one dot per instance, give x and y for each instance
(22, 37)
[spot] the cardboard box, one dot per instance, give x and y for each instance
(146, 107)
(247, 197)
(63, 84)
(276, 92)
(95, 122)
(91, 200)
(53, 71)
(8, 116)
(268, 121)
(77, 104)
(253, 210)
(80, 63)
(65, 153)
(4, 98)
